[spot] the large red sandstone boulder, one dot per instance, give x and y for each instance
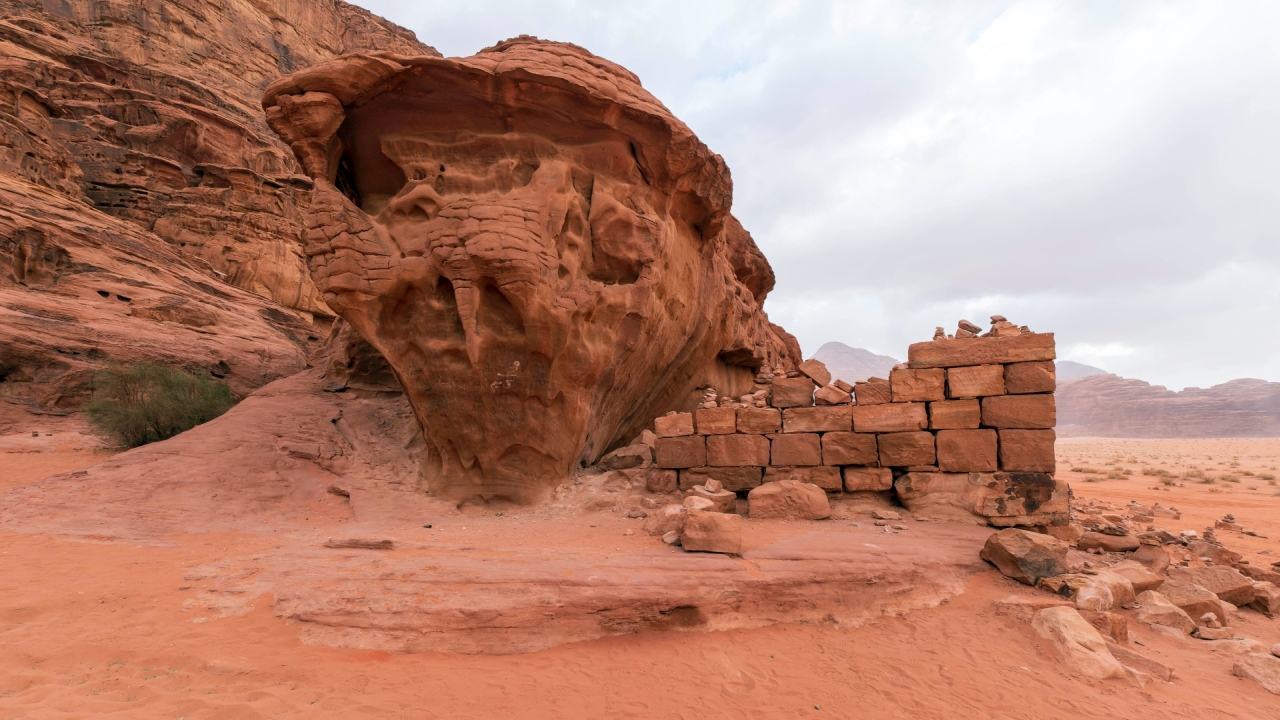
(788, 499)
(541, 251)
(1025, 556)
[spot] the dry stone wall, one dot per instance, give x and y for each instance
(962, 431)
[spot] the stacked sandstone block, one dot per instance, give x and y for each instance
(959, 405)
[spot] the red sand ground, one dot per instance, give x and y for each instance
(99, 630)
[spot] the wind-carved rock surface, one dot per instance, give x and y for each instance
(142, 193)
(540, 250)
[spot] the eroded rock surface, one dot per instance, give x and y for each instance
(542, 252)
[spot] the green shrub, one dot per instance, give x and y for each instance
(144, 402)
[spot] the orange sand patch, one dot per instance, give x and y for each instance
(99, 630)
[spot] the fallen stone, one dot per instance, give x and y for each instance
(716, 532)
(1208, 633)
(1024, 412)
(1194, 599)
(1227, 583)
(1069, 534)
(975, 381)
(955, 414)
(667, 519)
(356, 543)
(816, 371)
(1155, 558)
(832, 395)
(1142, 663)
(1025, 556)
(1111, 625)
(1108, 543)
(893, 417)
(1023, 607)
(1138, 575)
(731, 478)
(1217, 553)
(631, 456)
(653, 479)
(1266, 598)
(1095, 596)
(1260, 668)
(1030, 377)
(722, 501)
(1235, 646)
(867, 479)
(788, 499)
(671, 538)
(1077, 643)
(673, 425)
(1121, 589)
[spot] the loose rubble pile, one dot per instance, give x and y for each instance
(1104, 570)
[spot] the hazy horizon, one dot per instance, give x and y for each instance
(1104, 171)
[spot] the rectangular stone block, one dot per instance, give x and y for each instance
(849, 448)
(834, 418)
(733, 478)
(955, 414)
(792, 392)
(892, 417)
(681, 452)
(832, 395)
(975, 381)
(1030, 377)
(673, 425)
(872, 393)
(842, 385)
(715, 421)
(735, 450)
(827, 478)
(796, 449)
(759, 421)
(1027, 451)
(816, 370)
(967, 451)
(917, 385)
(867, 479)
(1025, 412)
(903, 449)
(981, 351)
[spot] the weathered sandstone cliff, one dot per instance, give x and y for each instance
(540, 250)
(1112, 406)
(142, 194)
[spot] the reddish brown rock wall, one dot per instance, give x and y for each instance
(543, 254)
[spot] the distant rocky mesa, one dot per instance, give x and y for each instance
(1112, 406)
(543, 254)
(146, 209)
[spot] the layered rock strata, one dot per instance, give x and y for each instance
(540, 250)
(962, 431)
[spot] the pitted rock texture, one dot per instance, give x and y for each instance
(540, 250)
(148, 111)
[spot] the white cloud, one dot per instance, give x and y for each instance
(1104, 170)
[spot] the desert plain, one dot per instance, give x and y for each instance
(105, 627)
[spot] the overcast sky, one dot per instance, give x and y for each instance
(1108, 171)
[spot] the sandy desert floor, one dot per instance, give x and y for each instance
(99, 629)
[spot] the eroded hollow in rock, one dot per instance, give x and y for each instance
(542, 253)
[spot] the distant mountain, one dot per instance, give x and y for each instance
(853, 364)
(1112, 406)
(1070, 370)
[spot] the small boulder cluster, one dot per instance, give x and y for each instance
(1099, 574)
